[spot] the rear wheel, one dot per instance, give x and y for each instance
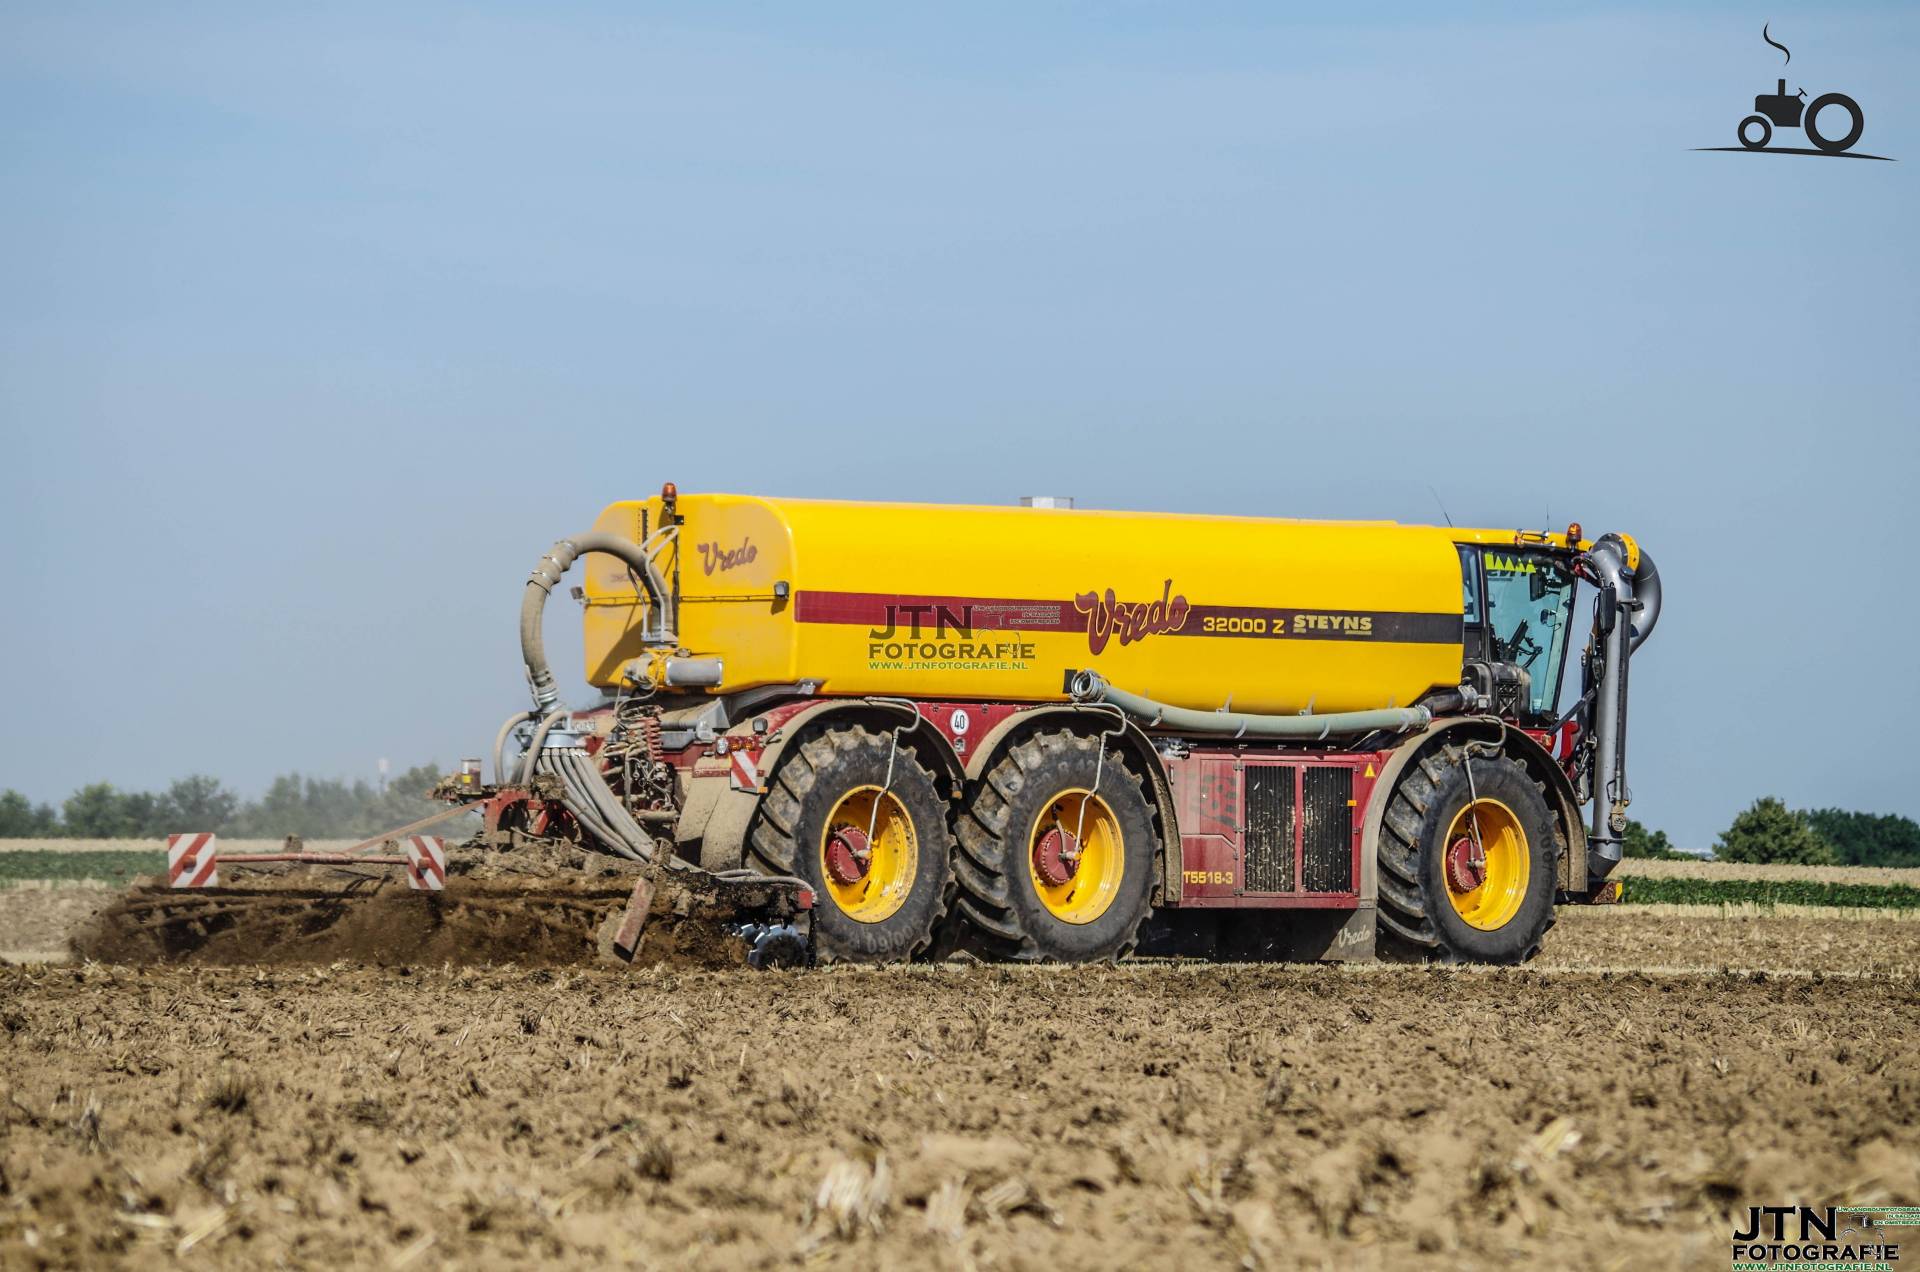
(1467, 861)
(1856, 123)
(870, 837)
(1056, 853)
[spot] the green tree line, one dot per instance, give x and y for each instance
(311, 807)
(1769, 831)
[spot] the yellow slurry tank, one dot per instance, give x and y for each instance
(957, 602)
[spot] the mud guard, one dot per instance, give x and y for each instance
(1139, 746)
(1521, 747)
(717, 816)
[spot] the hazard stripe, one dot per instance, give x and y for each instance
(426, 863)
(192, 861)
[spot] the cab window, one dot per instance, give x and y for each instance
(1470, 584)
(1529, 611)
(1474, 636)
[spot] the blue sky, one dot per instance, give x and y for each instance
(317, 325)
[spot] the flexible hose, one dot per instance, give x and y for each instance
(532, 758)
(1090, 686)
(754, 876)
(581, 803)
(593, 803)
(579, 797)
(500, 745)
(585, 781)
(558, 560)
(581, 800)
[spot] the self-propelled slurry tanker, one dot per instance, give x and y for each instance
(1053, 734)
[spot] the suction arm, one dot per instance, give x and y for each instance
(1624, 616)
(1646, 590)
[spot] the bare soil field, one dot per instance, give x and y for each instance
(1643, 939)
(38, 921)
(38, 924)
(965, 1116)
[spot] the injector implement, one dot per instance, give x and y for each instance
(877, 732)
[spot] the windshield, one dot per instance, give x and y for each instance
(1530, 603)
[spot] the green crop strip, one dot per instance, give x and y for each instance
(71, 867)
(1869, 896)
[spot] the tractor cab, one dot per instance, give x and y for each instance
(1782, 109)
(1518, 609)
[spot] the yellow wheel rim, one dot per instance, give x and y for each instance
(1485, 862)
(869, 854)
(1076, 856)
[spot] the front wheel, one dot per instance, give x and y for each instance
(1766, 132)
(1467, 861)
(1834, 145)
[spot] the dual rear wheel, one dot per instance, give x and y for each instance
(1049, 858)
(1056, 854)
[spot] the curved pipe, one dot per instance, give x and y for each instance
(500, 745)
(558, 560)
(1617, 634)
(1090, 686)
(1646, 590)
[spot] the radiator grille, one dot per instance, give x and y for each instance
(1327, 829)
(1269, 841)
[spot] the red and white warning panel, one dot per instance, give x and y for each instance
(743, 770)
(191, 862)
(426, 863)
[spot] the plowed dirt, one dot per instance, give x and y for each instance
(964, 1116)
(528, 908)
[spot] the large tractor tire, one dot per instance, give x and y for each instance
(1056, 855)
(1467, 867)
(865, 825)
